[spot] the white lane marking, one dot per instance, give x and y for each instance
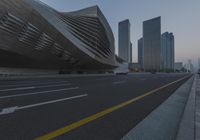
(8, 110)
(33, 87)
(20, 88)
(119, 82)
(40, 92)
(34, 84)
(16, 108)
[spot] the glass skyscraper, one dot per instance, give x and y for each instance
(140, 52)
(152, 44)
(167, 51)
(124, 40)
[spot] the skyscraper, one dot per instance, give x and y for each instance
(131, 54)
(140, 52)
(124, 40)
(152, 44)
(172, 50)
(167, 51)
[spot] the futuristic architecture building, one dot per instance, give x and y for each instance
(152, 44)
(124, 40)
(167, 51)
(34, 35)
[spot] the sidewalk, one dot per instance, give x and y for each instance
(197, 109)
(189, 128)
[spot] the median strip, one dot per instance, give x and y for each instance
(91, 118)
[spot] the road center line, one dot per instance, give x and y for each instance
(40, 92)
(91, 118)
(16, 108)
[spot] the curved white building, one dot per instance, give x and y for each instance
(32, 34)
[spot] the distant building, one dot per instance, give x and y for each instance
(189, 66)
(199, 62)
(124, 40)
(131, 53)
(152, 44)
(135, 67)
(178, 66)
(140, 52)
(167, 51)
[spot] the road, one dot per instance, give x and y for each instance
(81, 108)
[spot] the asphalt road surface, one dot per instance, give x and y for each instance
(81, 108)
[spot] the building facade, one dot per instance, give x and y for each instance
(178, 66)
(189, 66)
(131, 53)
(199, 63)
(140, 52)
(34, 35)
(167, 51)
(152, 44)
(124, 40)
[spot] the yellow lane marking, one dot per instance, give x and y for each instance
(86, 120)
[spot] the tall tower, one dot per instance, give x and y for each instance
(131, 53)
(124, 40)
(167, 51)
(140, 52)
(172, 51)
(152, 44)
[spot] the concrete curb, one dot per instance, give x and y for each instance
(187, 128)
(163, 122)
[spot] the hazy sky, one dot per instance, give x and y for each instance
(182, 17)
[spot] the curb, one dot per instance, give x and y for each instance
(197, 110)
(187, 125)
(163, 122)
